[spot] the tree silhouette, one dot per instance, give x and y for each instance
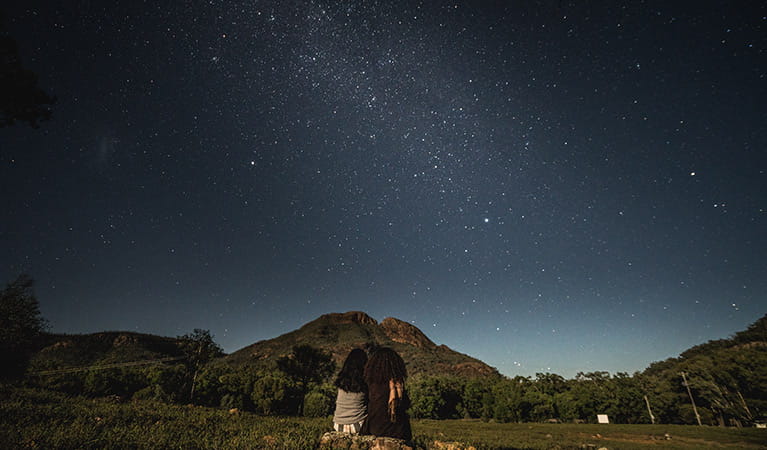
(305, 365)
(20, 327)
(199, 348)
(20, 97)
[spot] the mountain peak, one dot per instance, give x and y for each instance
(350, 317)
(405, 333)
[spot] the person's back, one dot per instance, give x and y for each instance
(387, 400)
(379, 421)
(351, 402)
(351, 411)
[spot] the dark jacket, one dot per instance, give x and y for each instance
(378, 423)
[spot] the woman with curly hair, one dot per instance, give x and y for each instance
(351, 402)
(388, 402)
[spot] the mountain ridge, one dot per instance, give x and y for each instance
(338, 333)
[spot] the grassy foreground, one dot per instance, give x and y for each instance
(37, 419)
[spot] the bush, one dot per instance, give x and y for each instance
(275, 393)
(234, 401)
(317, 404)
(436, 397)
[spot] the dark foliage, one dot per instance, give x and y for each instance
(20, 97)
(199, 348)
(307, 364)
(351, 377)
(20, 327)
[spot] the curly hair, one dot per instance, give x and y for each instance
(383, 365)
(351, 379)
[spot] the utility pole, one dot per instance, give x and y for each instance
(652, 418)
(692, 400)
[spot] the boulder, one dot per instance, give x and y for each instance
(440, 445)
(336, 440)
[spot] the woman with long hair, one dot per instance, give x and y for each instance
(388, 402)
(351, 402)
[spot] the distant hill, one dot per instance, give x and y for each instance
(338, 333)
(728, 377)
(744, 349)
(59, 351)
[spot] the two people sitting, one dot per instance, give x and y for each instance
(371, 395)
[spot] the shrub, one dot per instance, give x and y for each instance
(232, 401)
(275, 393)
(317, 404)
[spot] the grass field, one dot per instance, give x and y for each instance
(566, 436)
(36, 419)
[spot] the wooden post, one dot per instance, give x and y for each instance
(692, 400)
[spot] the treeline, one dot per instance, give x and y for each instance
(728, 387)
(299, 385)
(722, 382)
(641, 398)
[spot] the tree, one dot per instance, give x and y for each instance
(20, 98)
(426, 398)
(199, 348)
(471, 398)
(276, 393)
(307, 364)
(21, 325)
(319, 402)
(505, 398)
(435, 397)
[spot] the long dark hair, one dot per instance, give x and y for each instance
(385, 364)
(351, 378)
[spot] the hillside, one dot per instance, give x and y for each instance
(59, 351)
(728, 377)
(338, 333)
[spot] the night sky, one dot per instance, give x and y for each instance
(554, 186)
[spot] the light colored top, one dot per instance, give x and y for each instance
(351, 407)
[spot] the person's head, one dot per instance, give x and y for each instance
(383, 365)
(351, 377)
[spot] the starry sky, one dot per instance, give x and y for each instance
(551, 186)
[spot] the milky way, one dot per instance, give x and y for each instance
(548, 186)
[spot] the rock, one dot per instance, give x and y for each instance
(336, 440)
(405, 333)
(439, 445)
(124, 339)
(350, 317)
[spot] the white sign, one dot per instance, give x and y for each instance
(602, 418)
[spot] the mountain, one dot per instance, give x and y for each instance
(338, 333)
